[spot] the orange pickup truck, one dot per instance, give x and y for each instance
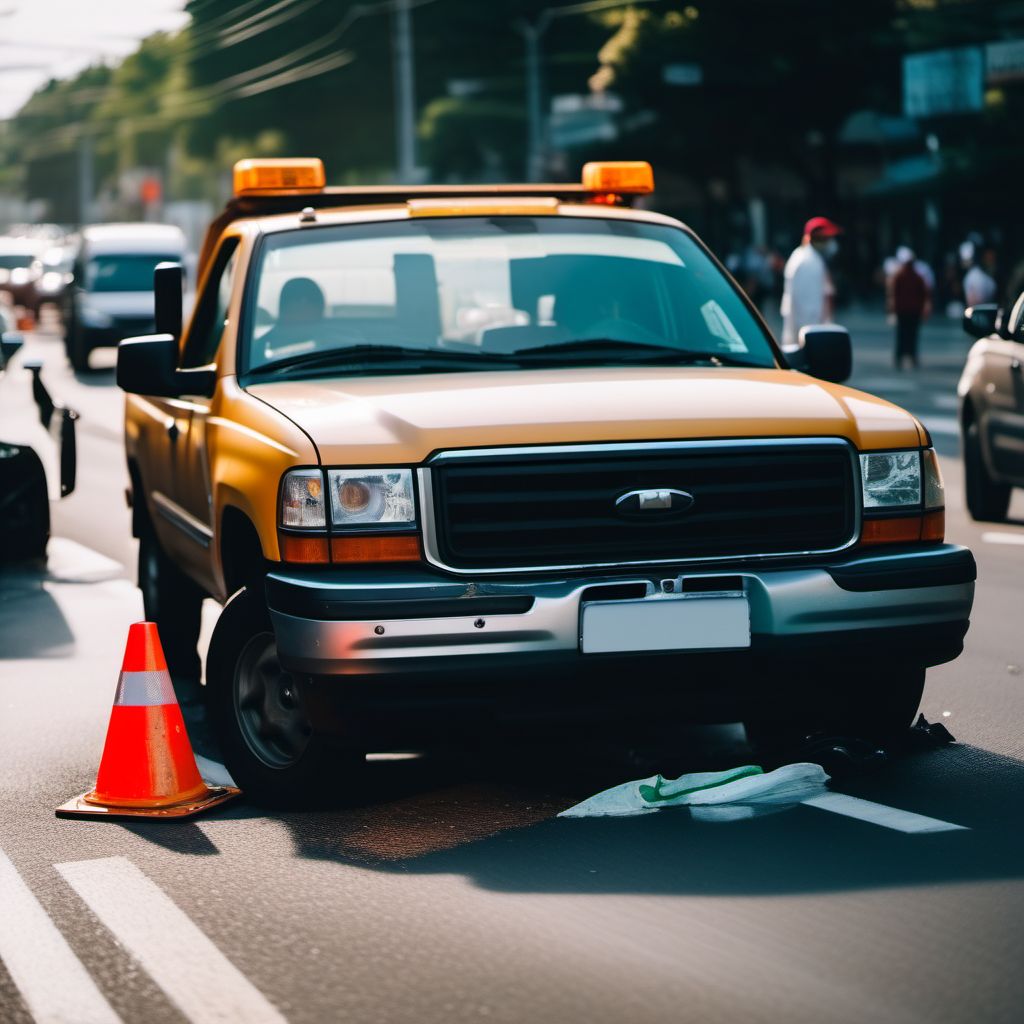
(519, 451)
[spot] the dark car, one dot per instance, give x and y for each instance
(24, 493)
(111, 294)
(991, 393)
(19, 272)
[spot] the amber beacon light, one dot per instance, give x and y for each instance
(620, 176)
(301, 174)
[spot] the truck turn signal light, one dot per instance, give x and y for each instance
(298, 174)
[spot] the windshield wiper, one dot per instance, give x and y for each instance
(347, 354)
(641, 351)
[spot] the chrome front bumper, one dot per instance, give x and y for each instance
(340, 623)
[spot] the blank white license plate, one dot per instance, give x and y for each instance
(667, 624)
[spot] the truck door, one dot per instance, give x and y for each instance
(192, 497)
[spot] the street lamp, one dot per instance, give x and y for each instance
(532, 33)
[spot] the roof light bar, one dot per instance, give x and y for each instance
(618, 176)
(298, 174)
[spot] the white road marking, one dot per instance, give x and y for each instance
(56, 988)
(944, 401)
(196, 976)
(994, 537)
(948, 425)
(890, 384)
(68, 558)
(880, 814)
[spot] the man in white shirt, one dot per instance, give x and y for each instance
(979, 287)
(808, 293)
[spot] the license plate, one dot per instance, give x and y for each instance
(666, 624)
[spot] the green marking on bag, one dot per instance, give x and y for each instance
(653, 794)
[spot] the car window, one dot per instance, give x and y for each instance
(132, 272)
(12, 261)
(492, 286)
(211, 316)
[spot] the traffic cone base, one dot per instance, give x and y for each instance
(147, 769)
(82, 807)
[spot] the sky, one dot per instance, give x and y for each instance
(43, 39)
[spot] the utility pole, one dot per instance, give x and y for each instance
(533, 33)
(405, 91)
(534, 105)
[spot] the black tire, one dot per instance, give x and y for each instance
(271, 748)
(24, 505)
(866, 704)
(987, 500)
(175, 603)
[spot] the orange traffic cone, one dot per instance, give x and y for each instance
(148, 769)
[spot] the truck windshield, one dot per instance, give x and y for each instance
(474, 292)
(123, 273)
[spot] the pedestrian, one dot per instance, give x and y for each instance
(979, 287)
(808, 295)
(910, 303)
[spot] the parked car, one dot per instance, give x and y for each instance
(54, 274)
(451, 454)
(19, 273)
(24, 491)
(991, 391)
(111, 295)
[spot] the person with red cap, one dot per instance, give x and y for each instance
(808, 293)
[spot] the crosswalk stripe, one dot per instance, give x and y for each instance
(56, 988)
(881, 814)
(995, 537)
(948, 425)
(196, 976)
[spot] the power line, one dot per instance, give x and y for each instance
(294, 66)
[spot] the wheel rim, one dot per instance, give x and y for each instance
(272, 721)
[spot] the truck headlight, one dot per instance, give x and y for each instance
(903, 497)
(934, 489)
(891, 479)
(372, 497)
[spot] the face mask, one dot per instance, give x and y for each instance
(830, 248)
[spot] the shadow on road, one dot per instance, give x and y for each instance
(497, 827)
(24, 600)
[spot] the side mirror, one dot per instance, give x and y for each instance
(826, 352)
(60, 421)
(980, 321)
(168, 292)
(9, 345)
(149, 366)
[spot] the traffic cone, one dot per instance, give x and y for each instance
(148, 769)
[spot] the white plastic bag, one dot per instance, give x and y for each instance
(748, 784)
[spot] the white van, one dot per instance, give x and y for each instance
(112, 294)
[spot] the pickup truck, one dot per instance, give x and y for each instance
(513, 453)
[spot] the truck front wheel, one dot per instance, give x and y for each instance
(174, 603)
(987, 500)
(270, 746)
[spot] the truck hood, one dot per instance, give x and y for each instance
(401, 420)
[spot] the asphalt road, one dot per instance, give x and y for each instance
(449, 892)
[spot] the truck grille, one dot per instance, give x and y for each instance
(523, 508)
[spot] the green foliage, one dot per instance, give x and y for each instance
(314, 77)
